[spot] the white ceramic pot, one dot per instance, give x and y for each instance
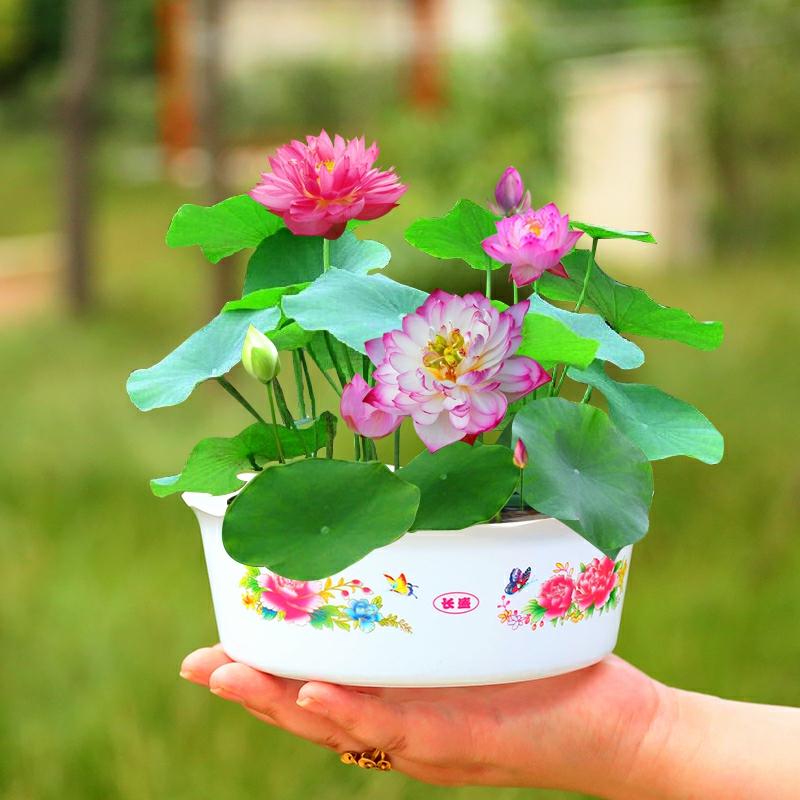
(460, 618)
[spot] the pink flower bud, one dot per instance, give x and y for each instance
(364, 417)
(520, 455)
(509, 191)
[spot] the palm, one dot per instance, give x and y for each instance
(532, 733)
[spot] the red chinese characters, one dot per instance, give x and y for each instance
(456, 602)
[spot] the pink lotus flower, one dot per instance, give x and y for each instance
(452, 367)
(555, 595)
(317, 187)
(298, 600)
(532, 242)
(595, 583)
(364, 417)
(510, 194)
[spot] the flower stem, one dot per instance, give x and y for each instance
(304, 364)
(278, 446)
(234, 393)
(587, 395)
(340, 373)
(286, 415)
(488, 284)
(312, 398)
(356, 447)
(397, 448)
(325, 375)
(298, 383)
(326, 255)
(516, 291)
(587, 276)
(521, 498)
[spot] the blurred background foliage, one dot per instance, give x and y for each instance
(102, 587)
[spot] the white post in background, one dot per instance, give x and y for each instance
(634, 153)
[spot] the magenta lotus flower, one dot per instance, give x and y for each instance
(362, 416)
(452, 367)
(532, 242)
(510, 194)
(319, 186)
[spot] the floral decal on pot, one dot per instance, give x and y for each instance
(349, 605)
(567, 597)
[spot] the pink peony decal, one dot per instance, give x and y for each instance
(596, 583)
(361, 415)
(452, 367)
(532, 242)
(319, 186)
(555, 595)
(298, 600)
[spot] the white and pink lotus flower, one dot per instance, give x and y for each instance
(482, 382)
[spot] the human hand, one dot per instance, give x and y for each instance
(583, 731)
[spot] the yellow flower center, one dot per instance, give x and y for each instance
(444, 354)
(329, 165)
(535, 228)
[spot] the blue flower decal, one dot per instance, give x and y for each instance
(364, 614)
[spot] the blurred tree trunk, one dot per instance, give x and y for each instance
(426, 81)
(176, 113)
(84, 34)
(208, 83)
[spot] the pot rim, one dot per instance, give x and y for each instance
(216, 505)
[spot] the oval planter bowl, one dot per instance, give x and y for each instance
(434, 608)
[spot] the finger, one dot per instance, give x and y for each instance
(198, 666)
(272, 699)
(416, 731)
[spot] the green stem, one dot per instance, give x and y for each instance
(234, 393)
(298, 383)
(587, 395)
(340, 373)
(556, 385)
(488, 284)
(286, 415)
(516, 292)
(325, 374)
(368, 449)
(312, 398)
(356, 447)
(397, 448)
(278, 446)
(326, 255)
(589, 266)
(521, 499)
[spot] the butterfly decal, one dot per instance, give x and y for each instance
(517, 580)
(401, 585)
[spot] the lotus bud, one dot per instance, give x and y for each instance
(260, 356)
(509, 191)
(520, 455)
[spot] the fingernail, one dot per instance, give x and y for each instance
(186, 675)
(225, 694)
(312, 704)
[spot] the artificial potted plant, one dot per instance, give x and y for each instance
(500, 552)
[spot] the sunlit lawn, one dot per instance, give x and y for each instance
(103, 589)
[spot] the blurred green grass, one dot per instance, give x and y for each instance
(103, 587)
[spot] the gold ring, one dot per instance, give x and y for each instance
(368, 759)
